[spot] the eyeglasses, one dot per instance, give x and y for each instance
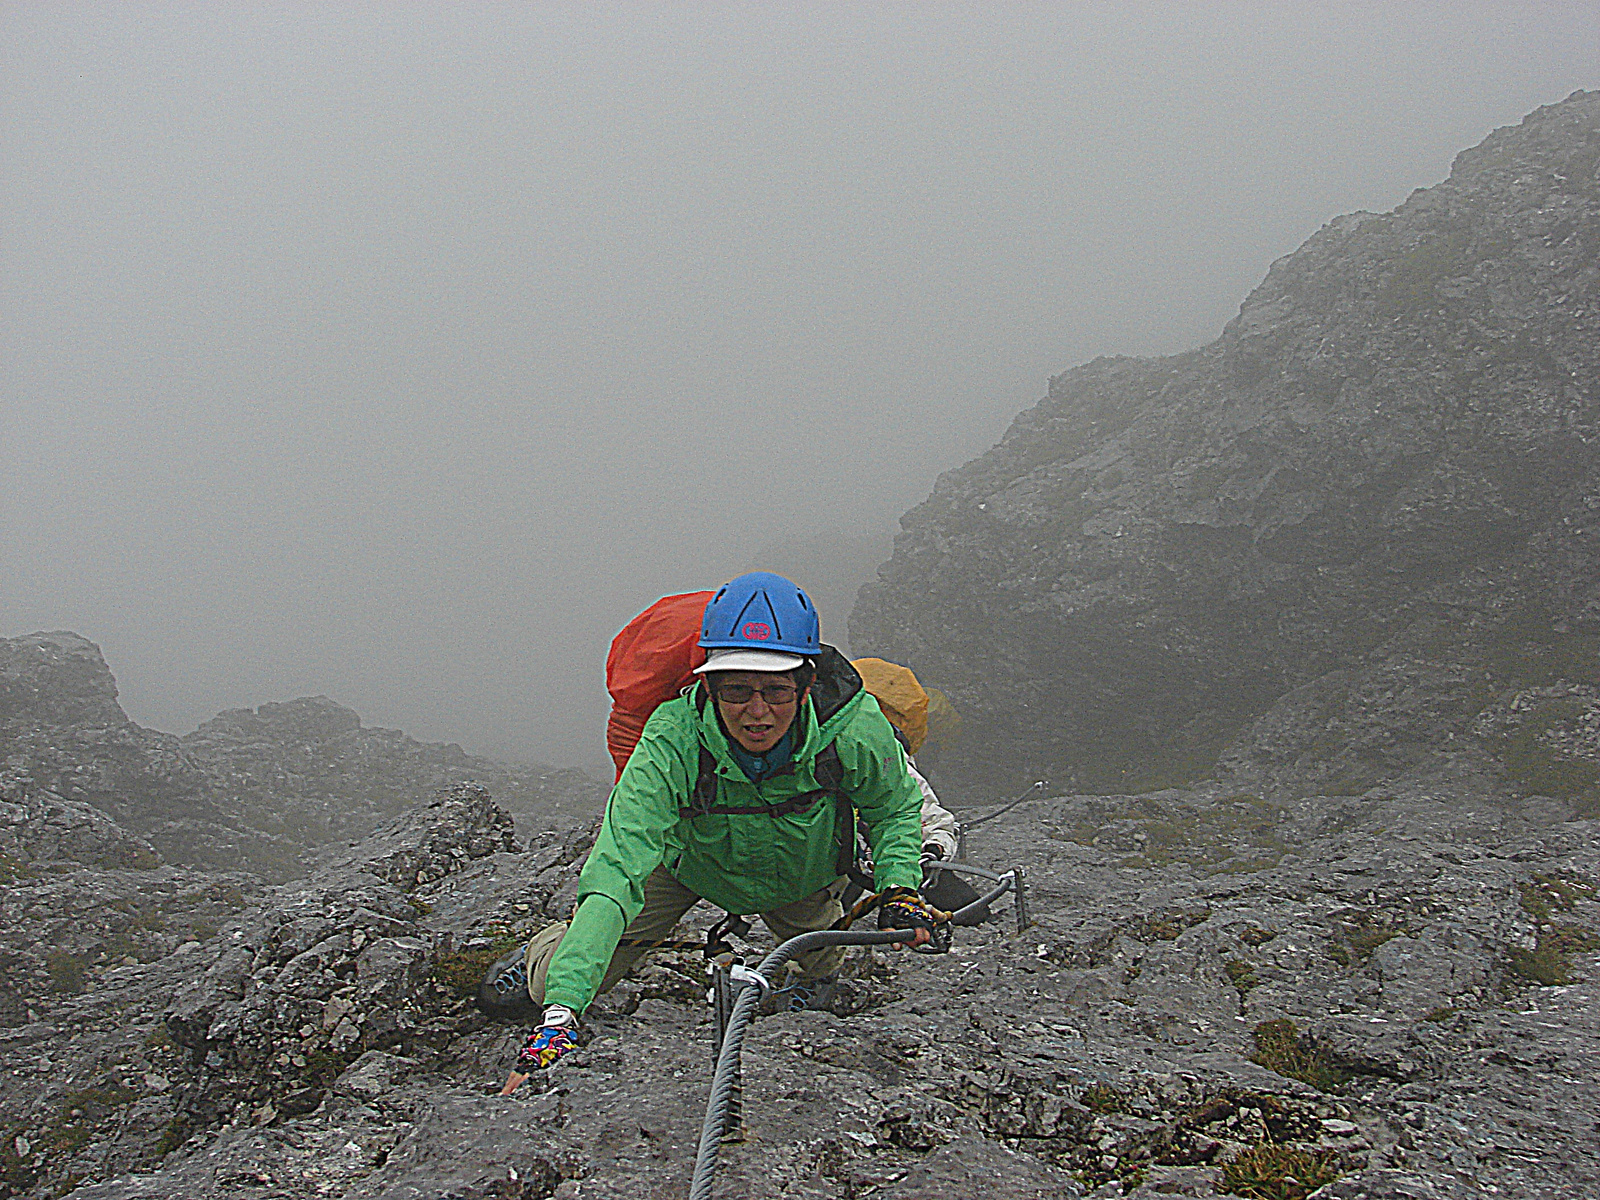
(742, 693)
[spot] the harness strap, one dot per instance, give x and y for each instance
(703, 797)
(827, 768)
(660, 944)
(716, 940)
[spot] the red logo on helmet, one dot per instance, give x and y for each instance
(756, 631)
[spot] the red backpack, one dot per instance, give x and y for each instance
(651, 661)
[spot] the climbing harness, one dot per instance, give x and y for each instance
(715, 943)
(745, 989)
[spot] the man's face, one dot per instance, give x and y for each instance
(757, 724)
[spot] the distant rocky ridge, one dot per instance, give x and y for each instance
(1352, 540)
(250, 789)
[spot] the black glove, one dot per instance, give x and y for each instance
(902, 908)
(932, 850)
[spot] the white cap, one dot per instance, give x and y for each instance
(749, 660)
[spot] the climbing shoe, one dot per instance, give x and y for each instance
(503, 994)
(827, 994)
(513, 988)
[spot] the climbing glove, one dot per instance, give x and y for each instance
(544, 1048)
(902, 908)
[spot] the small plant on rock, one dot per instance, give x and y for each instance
(1168, 926)
(1559, 891)
(1269, 1172)
(69, 972)
(1103, 1098)
(1242, 975)
(1549, 964)
(1279, 1048)
(1362, 932)
(175, 1133)
(463, 971)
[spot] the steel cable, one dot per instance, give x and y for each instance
(725, 1079)
(973, 824)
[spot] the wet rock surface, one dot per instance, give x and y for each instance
(1318, 548)
(240, 1004)
(1386, 996)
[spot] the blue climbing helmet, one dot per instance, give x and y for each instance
(761, 611)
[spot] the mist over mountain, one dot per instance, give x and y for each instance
(256, 790)
(402, 355)
(1353, 537)
(391, 358)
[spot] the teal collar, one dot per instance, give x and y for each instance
(763, 766)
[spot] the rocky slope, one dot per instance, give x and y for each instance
(1383, 997)
(1219, 992)
(255, 789)
(1353, 535)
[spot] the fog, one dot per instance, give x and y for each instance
(402, 353)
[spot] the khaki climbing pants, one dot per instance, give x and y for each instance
(665, 903)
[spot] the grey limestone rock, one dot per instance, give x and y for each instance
(1193, 998)
(1288, 568)
(259, 789)
(1316, 548)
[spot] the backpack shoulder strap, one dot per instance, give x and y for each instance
(828, 769)
(835, 683)
(830, 778)
(704, 795)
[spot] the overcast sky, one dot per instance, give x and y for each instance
(403, 352)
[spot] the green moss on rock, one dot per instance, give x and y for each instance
(463, 970)
(1103, 1098)
(1268, 1172)
(69, 972)
(1549, 964)
(1280, 1048)
(1241, 974)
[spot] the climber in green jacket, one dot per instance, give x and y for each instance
(721, 800)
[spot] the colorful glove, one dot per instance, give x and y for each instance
(544, 1047)
(902, 908)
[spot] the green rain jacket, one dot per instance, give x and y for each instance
(743, 863)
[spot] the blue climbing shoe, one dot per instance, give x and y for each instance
(826, 994)
(503, 994)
